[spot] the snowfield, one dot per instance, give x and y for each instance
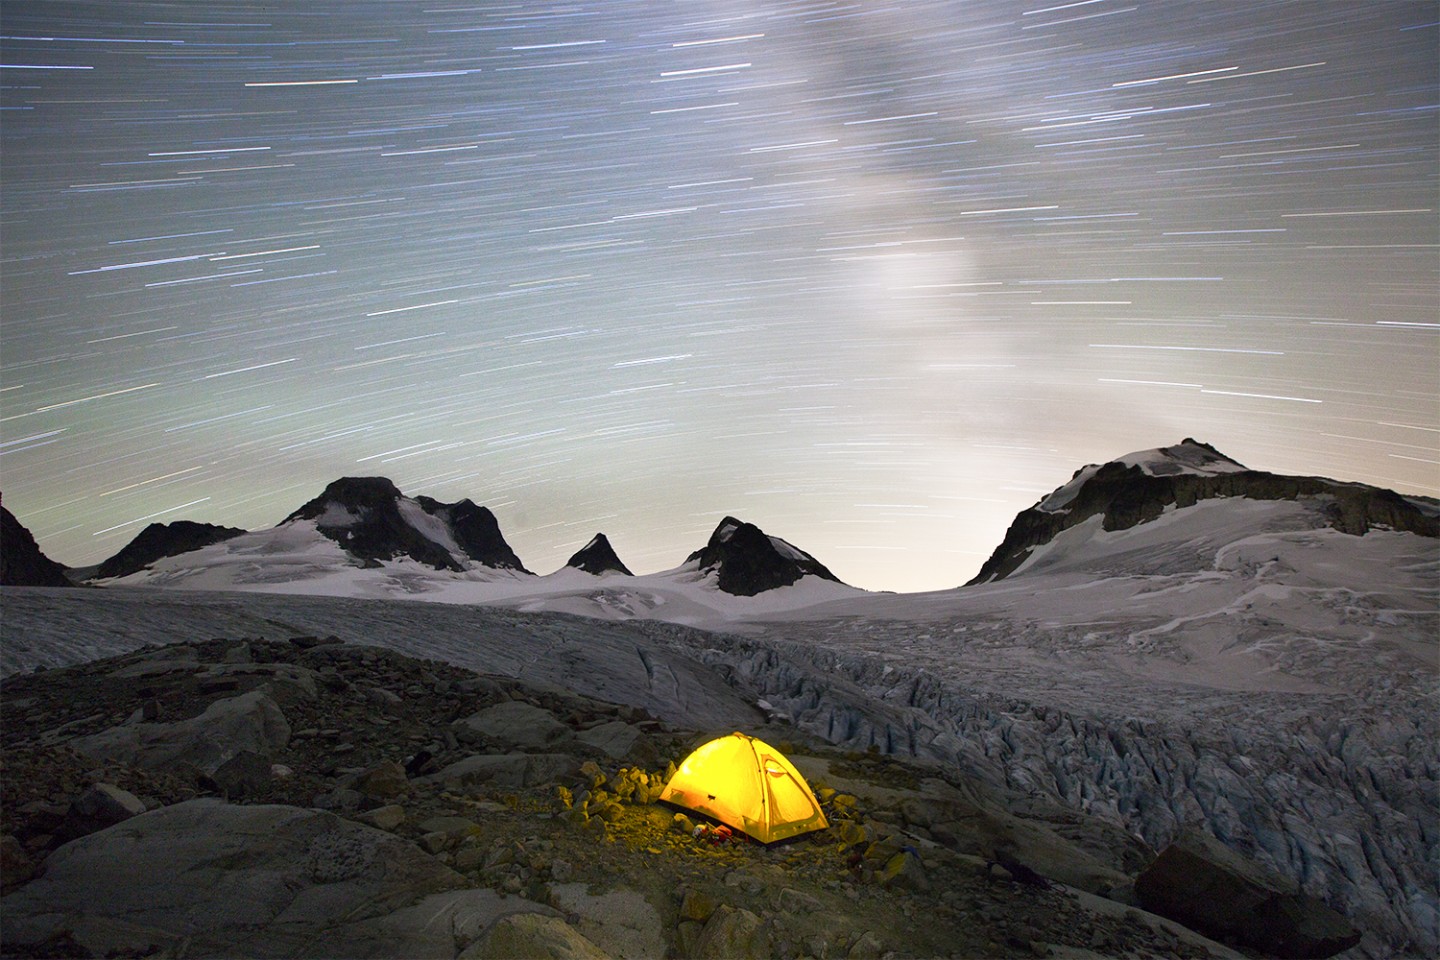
(1234, 664)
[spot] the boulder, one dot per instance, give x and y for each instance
(518, 724)
(1200, 882)
(620, 921)
(251, 721)
(905, 871)
(615, 738)
(443, 833)
(384, 781)
(16, 865)
(866, 947)
(102, 805)
(510, 771)
(436, 927)
(733, 933)
(532, 935)
(387, 817)
(243, 775)
(223, 880)
(699, 905)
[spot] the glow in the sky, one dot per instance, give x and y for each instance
(874, 276)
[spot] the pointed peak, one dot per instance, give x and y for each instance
(727, 528)
(598, 557)
(748, 561)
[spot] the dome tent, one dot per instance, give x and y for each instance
(747, 784)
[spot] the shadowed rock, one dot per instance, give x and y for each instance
(1203, 884)
(211, 879)
(22, 564)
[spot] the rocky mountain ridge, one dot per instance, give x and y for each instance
(1126, 493)
(22, 562)
(374, 523)
(372, 520)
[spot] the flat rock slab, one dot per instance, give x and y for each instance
(518, 724)
(534, 937)
(621, 922)
(615, 738)
(506, 770)
(261, 881)
(250, 722)
(435, 927)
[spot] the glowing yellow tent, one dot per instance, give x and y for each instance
(748, 784)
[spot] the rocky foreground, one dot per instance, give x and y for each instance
(313, 798)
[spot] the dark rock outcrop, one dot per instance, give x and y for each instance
(476, 530)
(1129, 495)
(22, 564)
(161, 540)
(1200, 882)
(749, 562)
(365, 516)
(598, 557)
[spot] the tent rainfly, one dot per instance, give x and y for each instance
(749, 785)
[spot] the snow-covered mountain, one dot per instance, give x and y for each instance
(1143, 486)
(373, 521)
(746, 561)
(363, 538)
(360, 537)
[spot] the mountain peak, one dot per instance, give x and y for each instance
(598, 557)
(1188, 457)
(160, 540)
(748, 561)
(22, 562)
(1140, 487)
(352, 492)
(372, 520)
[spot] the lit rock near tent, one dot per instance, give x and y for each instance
(749, 785)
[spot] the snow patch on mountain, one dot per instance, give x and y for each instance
(432, 528)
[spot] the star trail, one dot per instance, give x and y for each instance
(875, 276)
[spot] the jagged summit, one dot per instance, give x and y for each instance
(1139, 487)
(22, 562)
(161, 540)
(598, 557)
(1189, 457)
(748, 561)
(372, 520)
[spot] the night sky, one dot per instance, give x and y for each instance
(874, 276)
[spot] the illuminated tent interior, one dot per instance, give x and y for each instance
(749, 785)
